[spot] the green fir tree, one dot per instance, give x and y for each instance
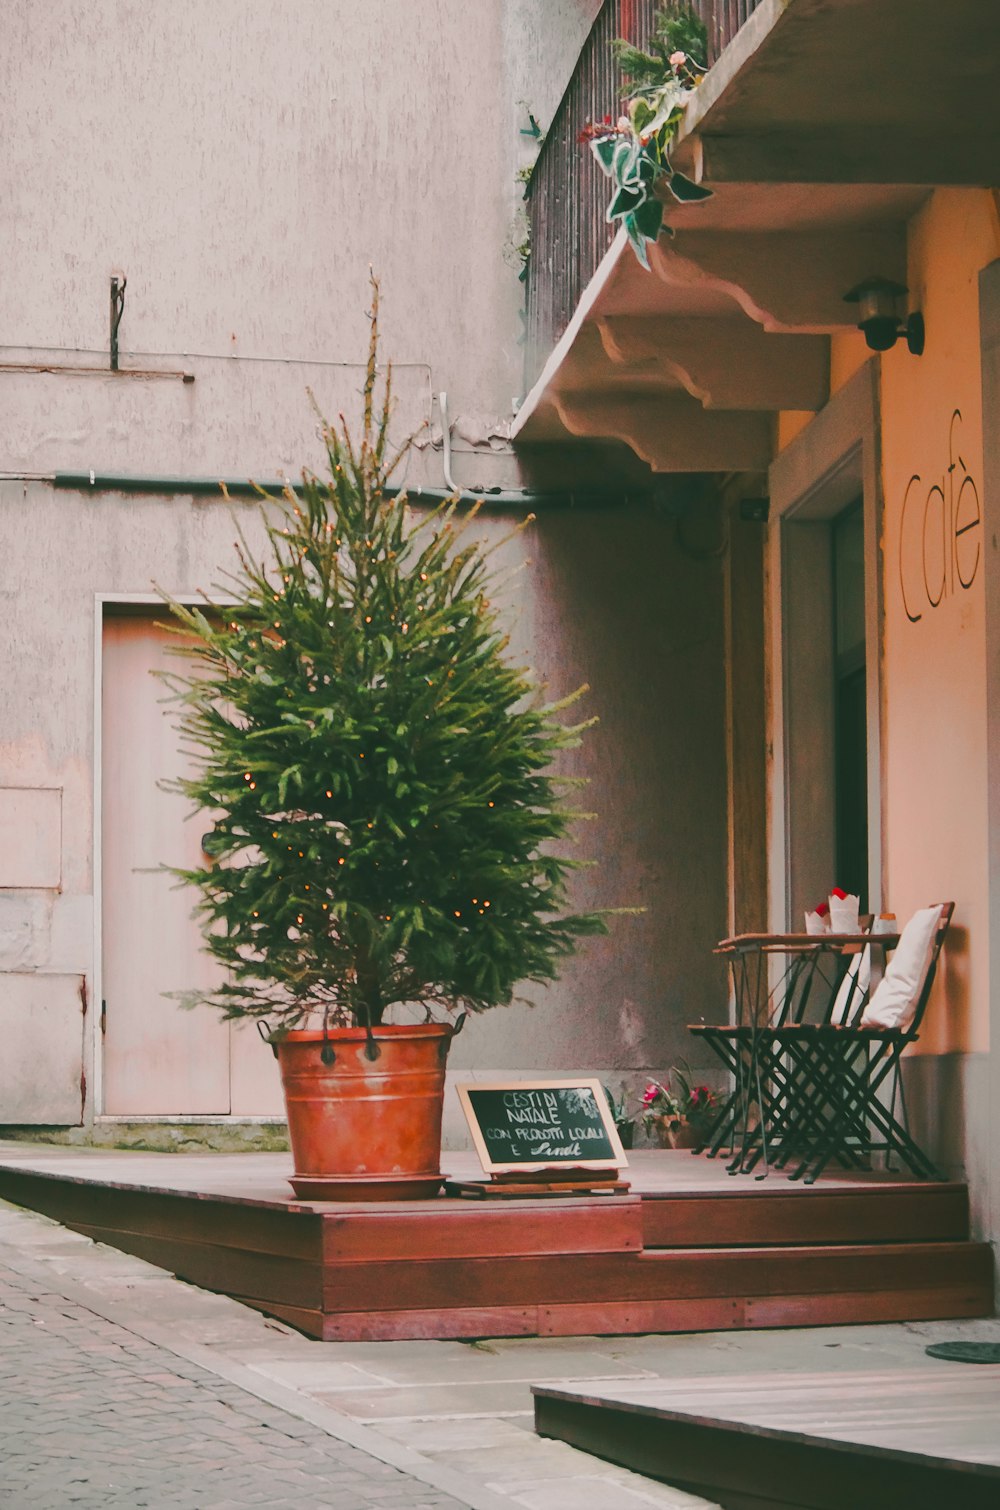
(378, 773)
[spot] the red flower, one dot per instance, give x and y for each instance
(596, 130)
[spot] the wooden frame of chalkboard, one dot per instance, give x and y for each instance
(546, 1126)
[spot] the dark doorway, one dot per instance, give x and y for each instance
(850, 719)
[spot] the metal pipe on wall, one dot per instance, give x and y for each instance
(241, 487)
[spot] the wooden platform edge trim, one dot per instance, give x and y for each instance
(636, 1278)
(138, 1188)
(608, 1319)
(223, 1270)
(834, 1217)
(303, 1318)
(721, 1313)
(944, 1302)
(737, 1429)
(756, 1471)
(739, 1188)
(429, 1325)
(484, 1230)
(280, 1232)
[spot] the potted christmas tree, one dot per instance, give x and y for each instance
(378, 777)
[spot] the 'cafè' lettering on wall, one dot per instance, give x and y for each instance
(940, 536)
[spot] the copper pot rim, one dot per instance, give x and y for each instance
(356, 1034)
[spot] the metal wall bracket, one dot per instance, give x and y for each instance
(117, 310)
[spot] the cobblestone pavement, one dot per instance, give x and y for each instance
(93, 1415)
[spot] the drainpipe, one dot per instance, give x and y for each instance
(446, 437)
(240, 487)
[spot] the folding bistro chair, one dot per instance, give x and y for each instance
(752, 1119)
(840, 1073)
(800, 1107)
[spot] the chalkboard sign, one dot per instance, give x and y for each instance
(537, 1124)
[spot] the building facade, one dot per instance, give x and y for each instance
(739, 356)
(194, 199)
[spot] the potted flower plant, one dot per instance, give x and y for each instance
(661, 1114)
(634, 151)
(679, 1118)
(700, 1104)
(378, 778)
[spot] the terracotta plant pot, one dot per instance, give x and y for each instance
(365, 1129)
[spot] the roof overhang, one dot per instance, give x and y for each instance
(822, 129)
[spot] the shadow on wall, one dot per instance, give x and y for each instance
(947, 1101)
(947, 1026)
(615, 602)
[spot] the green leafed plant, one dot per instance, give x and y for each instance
(377, 771)
(676, 29)
(635, 152)
(699, 1104)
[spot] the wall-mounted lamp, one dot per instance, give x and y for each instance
(878, 315)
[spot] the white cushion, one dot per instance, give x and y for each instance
(894, 1003)
(853, 987)
(856, 984)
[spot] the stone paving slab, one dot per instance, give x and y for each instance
(430, 1401)
(587, 1492)
(93, 1415)
(463, 1363)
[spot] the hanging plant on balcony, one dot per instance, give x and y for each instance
(635, 151)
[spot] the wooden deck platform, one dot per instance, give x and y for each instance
(688, 1249)
(923, 1439)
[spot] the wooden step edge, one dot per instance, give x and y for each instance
(736, 1464)
(921, 1249)
(498, 1233)
(739, 1187)
(633, 1318)
(300, 1237)
(780, 1218)
(765, 1312)
(92, 1182)
(223, 1271)
(776, 1244)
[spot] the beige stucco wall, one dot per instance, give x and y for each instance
(934, 646)
(244, 165)
(605, 598)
